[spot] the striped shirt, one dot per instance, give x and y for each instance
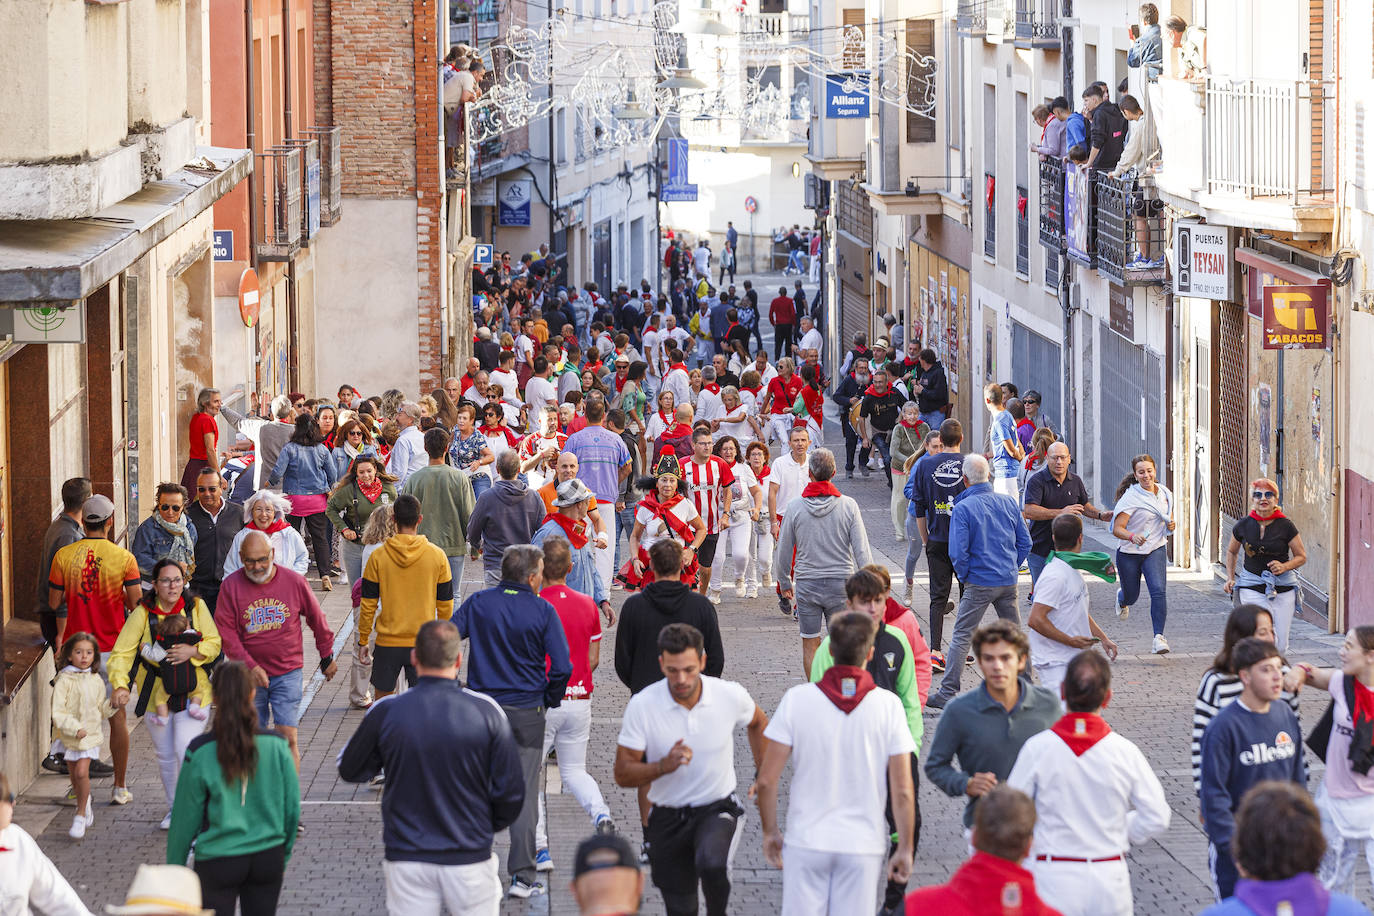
(1214, 694)
(706, 483)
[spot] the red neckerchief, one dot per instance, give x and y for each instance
(677, 431)
(1025, 422)
(893, 610)
(676, 366)
(873, 390)
(846, 686)
(664, 511)
(754, 391)
(763, 474)
(178, 608)
(371, 492)
(1277, 513)
(1364, 703)
(576, 531)
(594, 368)
(820, 488)
(665, 418)
(271, 529)
(486, 430)
(620, 382)
(712, 387)
(1081, 730)
(916, 425)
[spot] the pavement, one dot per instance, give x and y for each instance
(337, 864)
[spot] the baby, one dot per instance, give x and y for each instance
(175, 683)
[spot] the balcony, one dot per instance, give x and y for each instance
(1022, 233)
(775, 28)
(1037, 23)
(331, 172)
(990, 216)
(972, 17)
(310, 186)
(464, 14)
(277, 183)
(1248, 152)
(1052, 204)
(1130, 232)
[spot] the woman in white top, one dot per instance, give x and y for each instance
(660, 419)
(738, 526)
(29, 882)
(737, 423)
(1142, 520)
(664, 512)
(266, 511)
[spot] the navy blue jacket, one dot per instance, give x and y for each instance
(452, 771)
(934, 482)
(510, 630)
(1241, 748)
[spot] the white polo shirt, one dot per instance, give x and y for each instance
(653, 722)
(791, 479)
(839, 767)
(1062, 588)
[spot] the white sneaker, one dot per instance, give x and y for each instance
(715, 596)
(90, 812)
(910, 595)
(166, 823)
(78, 827)
(769, 581)
(740, 588)
(1160, 646)
(121, 796)
(753, 592)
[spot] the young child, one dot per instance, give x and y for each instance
(79, 703)
(175, 683)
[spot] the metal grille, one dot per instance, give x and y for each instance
(278, 186)
(1022, 233)
(1037, 22)
(1118, 233)
(972, 16)
(1052, 269)
(331, 182)
(1231, 410)
(852, 212)
(1052, 203)
(990, 216)
(854, 314)
(1131, 419)
(1035, 366)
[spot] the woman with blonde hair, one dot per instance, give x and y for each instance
(1273, 550)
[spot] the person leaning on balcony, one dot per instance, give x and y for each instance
(1108, 134)
(1075, 127)
(1140, 145)
(1147, 50)
(1191, 42)
(1051, 133)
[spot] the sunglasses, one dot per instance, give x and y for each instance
(166, 506)
(1264, 494)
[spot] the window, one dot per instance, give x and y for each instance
(560, 136)
(765, 76)
(920, 44)
(990, 169)
(1089, 68)
(855, 55)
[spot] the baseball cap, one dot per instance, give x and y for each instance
(610, 850)
(96, 509)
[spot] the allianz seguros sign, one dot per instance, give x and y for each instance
(847, 95)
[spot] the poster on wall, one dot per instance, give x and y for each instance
(513, 201)
(1264, 403)
(1077, 214)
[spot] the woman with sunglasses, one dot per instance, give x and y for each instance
(1142, 518)
(165, 533)
(353, 442)
(1273, 550)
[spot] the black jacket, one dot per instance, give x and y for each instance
(452, 771)
(935, 389)
(487, 353)
(845, 393)
(212, 541)
(1108, 135)
(647, 613)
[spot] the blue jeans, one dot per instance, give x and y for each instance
(1037, 566)
(794, 260)
(913, 546)
(281, 698)
(1154, 566)
(934, 419)
(481, 483)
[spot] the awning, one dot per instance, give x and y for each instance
(67, 260)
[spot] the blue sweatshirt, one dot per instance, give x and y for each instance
(988, 541)
(934, 482)
(1075, 132)
(452, 771)
(1240, 748)
(510, 631)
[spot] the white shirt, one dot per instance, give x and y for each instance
(709, 406)
(510, 385)
(539, 393)
(678, 382)
(1083, 802)
(655, 529)
(1147, 513)
(839, 768)
(653, 722)
(790, 478)
(701, 257)
(524, 349)
(767, 375)
(735, 423)
(1062, 588)
(653, 352)
(29, 882)
(408, 455)
(680, 336)
(811, 340)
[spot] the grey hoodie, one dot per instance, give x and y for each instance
(828, 535)
(508, 513)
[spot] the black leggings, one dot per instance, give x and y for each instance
(316, 528)
(253, 881)
(893, 891)
(687, 845)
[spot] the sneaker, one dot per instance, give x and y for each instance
(740, 587)
(937, 702)
(605, 825)
(78, 827)
(121, 796)
(901, 537)
(715, 596)
(769, 581)
(784, 606)
(752, 592)
(937, 661)
(849, 473)
(68, 800)
(90, 812)
(866, 471)
(55, 764)
(1123, 610)
(524, 889)
(326, 584)
(644, 853)
(166, 823)
(969, 659)
(1160, 645)
(376, 782)
(950, 608)
(1157, 262)
(543, 861)
(910, 595)
(617, 585)
(875, 462)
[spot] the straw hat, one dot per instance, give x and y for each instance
(162, 890)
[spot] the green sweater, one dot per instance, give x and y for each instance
(446, 502)
(234, 820)
(896, 674)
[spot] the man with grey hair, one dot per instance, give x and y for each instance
(810, 337)
(271, 438)
(408, 454)
(988, 542)
(510, 632)
(821, 543)
(507, 513)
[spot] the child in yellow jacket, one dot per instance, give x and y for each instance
(79, 704)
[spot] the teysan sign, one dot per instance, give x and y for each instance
(1204, 257)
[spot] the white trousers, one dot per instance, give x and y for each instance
(760, 566)
(1280, 607)
(1084, 888)
(169, 744)
(1051, 676)
(605, 556)
(828, 883)
(737, 536)
(567, 728)
(1007, 486)
(780, 428)
(425, 889)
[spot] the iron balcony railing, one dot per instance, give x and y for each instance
(777, 26)
(331, 172)
(278, 186)
(312, 186)
(1037, 23)
(1051, 269)
(990, 216)
(971, 18)
(1022, 232)
(1052, 203)
(1130, 232)
(1266, 138)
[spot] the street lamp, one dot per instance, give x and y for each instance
(682, 77)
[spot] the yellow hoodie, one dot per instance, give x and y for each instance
(411, 577)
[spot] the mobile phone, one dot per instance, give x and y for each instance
(1095, 639)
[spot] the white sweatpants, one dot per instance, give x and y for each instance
(1007, 486)
(605, 556)
(760, 566)
(737, 536)
(828, 883)
(1084, 888)
(568, 727)
(424, 889)
(169, 744)
(1280, 607)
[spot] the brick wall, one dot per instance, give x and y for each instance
(321, 39)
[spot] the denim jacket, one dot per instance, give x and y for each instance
(303, 470)
(152, 542)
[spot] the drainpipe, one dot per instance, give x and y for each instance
(254, 180)
(1170, 364)
(292, 299)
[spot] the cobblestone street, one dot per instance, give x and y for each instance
(337, 862)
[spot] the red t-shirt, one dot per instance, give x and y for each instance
(784, 394)
(582, 627)
(202, 423)
(782, 310)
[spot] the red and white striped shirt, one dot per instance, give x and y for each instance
(705, 484)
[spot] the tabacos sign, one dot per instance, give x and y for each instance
(1297, 317)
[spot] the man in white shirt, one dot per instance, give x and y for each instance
(678, 380)
(676, 336)
(786, 480)
(408, 454)
(709, 405)
(701, 260)
(524, 344)
(539, 392)
(811, 338)
(1060, 625)
(848, 741)
(1085, 780)
(677, 736)
(766, 372)
(652, 345)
